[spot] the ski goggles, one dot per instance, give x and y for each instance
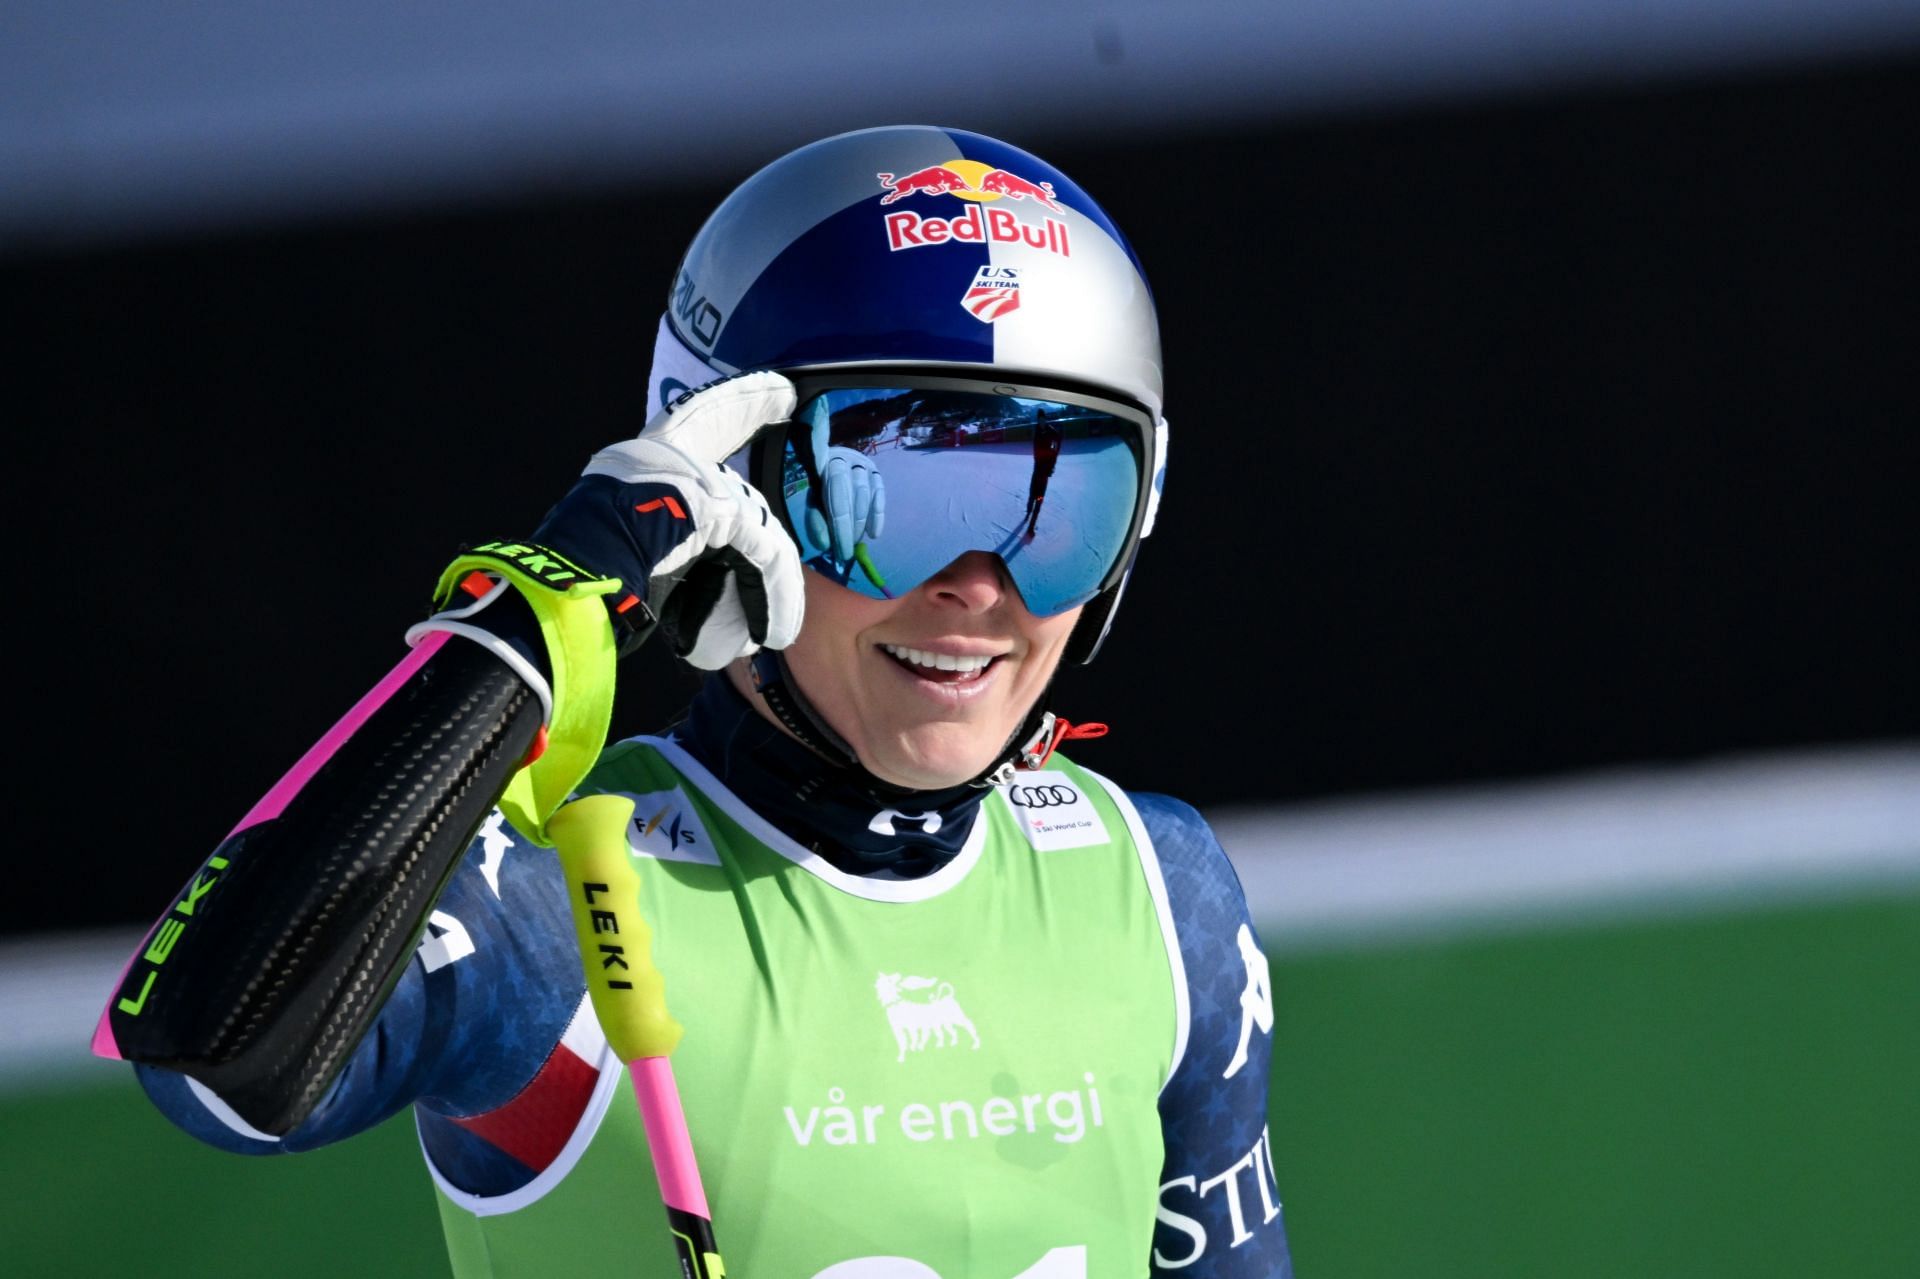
(886, 478)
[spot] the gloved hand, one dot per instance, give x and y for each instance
(855, 499)
(685, 533)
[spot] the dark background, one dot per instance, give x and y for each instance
(1508, 439)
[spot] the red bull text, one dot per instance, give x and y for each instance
(979, 187)
(908, 230)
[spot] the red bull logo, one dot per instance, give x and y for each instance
(979, 185)
(1000, 182)
(937, 179)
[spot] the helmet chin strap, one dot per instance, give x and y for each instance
(1029, 746)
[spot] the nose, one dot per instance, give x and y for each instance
(977, 582)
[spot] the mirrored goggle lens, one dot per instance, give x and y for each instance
(884, 487)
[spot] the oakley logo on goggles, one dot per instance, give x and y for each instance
(884, 479)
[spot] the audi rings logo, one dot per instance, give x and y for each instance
(1053, 796)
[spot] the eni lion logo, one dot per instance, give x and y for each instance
(922, 1011)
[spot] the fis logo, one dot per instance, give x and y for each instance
(666, 826)
(676, 837)
(979, 185)
(995, 292)
(922, 1011)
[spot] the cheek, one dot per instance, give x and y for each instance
(1049, 637)
(1046, 642)
(826, 656)
(836, 617)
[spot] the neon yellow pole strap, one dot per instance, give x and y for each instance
(582, 653)
(616, 946)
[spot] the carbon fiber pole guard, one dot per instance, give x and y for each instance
(287, 942)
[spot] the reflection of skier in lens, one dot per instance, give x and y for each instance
(1047, 437)
(847, 509)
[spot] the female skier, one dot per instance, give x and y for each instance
(954, 1005)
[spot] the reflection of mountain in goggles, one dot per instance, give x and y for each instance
(886, 484)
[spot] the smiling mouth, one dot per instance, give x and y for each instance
(940, 668)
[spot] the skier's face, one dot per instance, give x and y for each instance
(861, 662)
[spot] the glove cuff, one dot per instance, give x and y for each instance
(568, 601)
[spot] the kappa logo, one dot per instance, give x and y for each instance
(922, 1011)
(494, 843)
(1057, 795)
(1256, 1001)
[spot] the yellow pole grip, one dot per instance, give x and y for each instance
(616, 946)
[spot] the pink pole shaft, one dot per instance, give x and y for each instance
(667, 1137)
(275, 801)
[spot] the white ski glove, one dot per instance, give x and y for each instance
(665, 515)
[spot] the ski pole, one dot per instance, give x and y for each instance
(629, 998)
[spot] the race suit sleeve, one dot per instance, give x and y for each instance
(478, 1013)
(1219, 1210)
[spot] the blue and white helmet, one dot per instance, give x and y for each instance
(919, 246)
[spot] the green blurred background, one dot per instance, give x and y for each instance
(1724, 1093)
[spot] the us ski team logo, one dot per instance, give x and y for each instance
(995, 292)
(922, 1010)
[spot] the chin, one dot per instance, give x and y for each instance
(931, 760)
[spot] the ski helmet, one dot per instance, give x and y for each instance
(932, 250)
